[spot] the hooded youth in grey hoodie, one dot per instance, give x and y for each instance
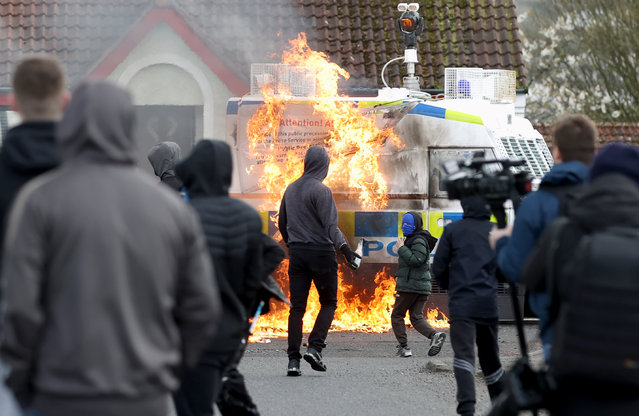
(308, 215)
(109, 287)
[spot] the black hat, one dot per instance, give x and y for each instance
(616, 158)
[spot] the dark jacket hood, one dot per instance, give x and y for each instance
(566, 173)
(316, 162)
(31, 148)
(420, 233)
(475, 207)
(419, 223)
(614, 194)
(163, 158)
(208, 169)
(98, 124)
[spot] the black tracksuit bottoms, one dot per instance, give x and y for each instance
(464, 334)
(308, 265)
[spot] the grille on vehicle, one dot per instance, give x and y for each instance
(533, 150)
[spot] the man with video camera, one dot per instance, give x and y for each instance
(465, 265)
(574, 138)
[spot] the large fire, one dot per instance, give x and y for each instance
(356, 310)
(354, 143)
(352, 139)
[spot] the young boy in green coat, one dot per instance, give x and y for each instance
(413, 286)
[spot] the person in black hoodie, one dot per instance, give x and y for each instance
(308, 224)
(29, 148)
(465, 265)
(233, 232)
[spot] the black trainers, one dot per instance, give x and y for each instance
(436, 343)
(314, 358)
(294, 368)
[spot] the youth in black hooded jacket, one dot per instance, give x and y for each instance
(28, 151)
(233, 232)
(465, 264)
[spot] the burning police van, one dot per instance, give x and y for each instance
(408, 136)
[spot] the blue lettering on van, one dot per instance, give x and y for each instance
(390, 247)
(372, 245)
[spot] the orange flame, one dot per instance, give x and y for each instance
(353, 312)
(352, 138)
(354, 144)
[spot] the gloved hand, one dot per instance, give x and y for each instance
(350, 256)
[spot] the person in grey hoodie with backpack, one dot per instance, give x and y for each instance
(586, 261)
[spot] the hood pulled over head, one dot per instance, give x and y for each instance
(418, 231)
(316, 162)
(98, 124)
(616, 158)
(208, 169)
(163, 157)
(475, 207)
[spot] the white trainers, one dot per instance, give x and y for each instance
(436, 343)
(404, 351)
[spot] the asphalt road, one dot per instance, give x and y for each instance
(365, 377)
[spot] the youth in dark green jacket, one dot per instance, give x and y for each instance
(413, 286)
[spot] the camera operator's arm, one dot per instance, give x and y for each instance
(498, 233)
(441, 263)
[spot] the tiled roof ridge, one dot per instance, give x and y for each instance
(359, 35)
(108, 50)
(609, 131)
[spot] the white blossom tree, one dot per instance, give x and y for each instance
(581, 56)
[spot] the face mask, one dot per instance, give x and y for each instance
(408, 224)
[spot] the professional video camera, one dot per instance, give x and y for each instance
(494, 179)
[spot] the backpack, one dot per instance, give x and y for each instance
(596, 326)
(567, 194)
